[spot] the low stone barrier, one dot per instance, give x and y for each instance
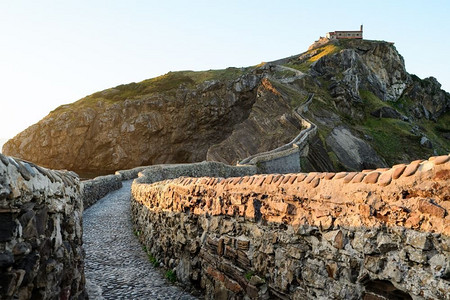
(40, 233)
(286, 158)
(206, 168)
(131, 173)
(97, 188)
(349, 235)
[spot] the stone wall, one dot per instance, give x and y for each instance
(206, 168)
(286, 158)
(95, 189)
(371, 234)
(130, 173)
(287, 161)
(40, 233)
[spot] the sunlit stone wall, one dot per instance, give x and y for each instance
(371, 234)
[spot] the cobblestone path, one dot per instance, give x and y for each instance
(116, 267)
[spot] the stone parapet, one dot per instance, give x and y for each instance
(286, 158)
(40, 232)
(381, 232)
(158, 173)
(95, 189)
(130, 173)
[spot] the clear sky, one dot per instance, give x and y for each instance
(56, 52)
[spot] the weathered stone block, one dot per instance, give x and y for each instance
(374, 263)
(336, 238)
(416, 255)
(8, 227)
(419, 240)
(385, 243)
(428, 207)
(243, 245)
(440, 265)
(6, 259)
(394, 271)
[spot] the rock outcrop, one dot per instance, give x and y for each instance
(355, 153)
(228, 115)
(175, 126)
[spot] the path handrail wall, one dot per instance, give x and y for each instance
(41, 255)
(295, 145)
(157, 173)
(375, 233)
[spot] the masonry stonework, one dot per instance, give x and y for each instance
(350, 235)
(40, 233)
(94, 189)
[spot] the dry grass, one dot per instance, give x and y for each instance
(325, 50)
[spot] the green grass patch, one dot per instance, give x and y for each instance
(435, 130)
(371, 101)
(249, 275)
(152, 260)
(150, 257)
(302, 67)
(335, 161)
(328, 49)
(323, 133)
(171, 276)
(285, 73)
(225, 74)
(393, 139)
(443, 123)
(294, 97)
(403, 104)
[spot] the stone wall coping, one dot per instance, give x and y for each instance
(396, 194)
(381, 177)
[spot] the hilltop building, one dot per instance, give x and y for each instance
(346, 34)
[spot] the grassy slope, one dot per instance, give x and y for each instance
(393, 137)
(312, 56)
(167, 83)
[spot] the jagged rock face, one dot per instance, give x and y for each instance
(431, 101)
(227, 115)
(377, 68)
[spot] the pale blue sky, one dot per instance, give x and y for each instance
(56, 52)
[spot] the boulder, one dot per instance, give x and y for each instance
(353, 152)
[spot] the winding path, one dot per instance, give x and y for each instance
(299, 140)
(116, 267)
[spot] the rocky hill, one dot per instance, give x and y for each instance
(369, 112)
(2, 141)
